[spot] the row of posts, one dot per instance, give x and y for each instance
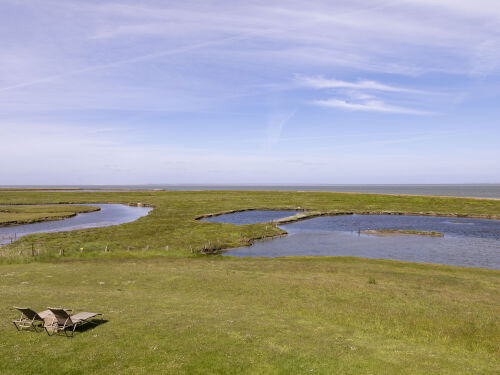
(61, 251)
(106, 249)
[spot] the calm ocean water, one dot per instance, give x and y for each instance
(457, 190)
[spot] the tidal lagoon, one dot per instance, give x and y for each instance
(466, 242)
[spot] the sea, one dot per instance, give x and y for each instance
(457, 190)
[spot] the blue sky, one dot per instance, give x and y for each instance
(127, 92)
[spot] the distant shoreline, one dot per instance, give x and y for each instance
(39, 189)
(470, 191)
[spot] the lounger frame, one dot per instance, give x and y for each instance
(28, 319)
(63, 322)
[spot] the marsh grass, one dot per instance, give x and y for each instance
(404, 231)
(182, 312)
(17, 215)
(227, 315)
(173, 222)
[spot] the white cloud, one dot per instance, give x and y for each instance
(275, 124)
(189, 54)
(369, 106)
(69, 62)
(359, 95)
(479, 8)
(323, 83)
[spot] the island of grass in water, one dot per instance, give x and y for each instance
(391, 232)
(465, 242)
(28, 214)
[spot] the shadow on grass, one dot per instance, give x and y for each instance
(90, 325)
(82, 329)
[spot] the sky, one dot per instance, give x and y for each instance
(249, 92)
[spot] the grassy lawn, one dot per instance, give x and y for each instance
(12, 215)
(279, 316)
(177, 312)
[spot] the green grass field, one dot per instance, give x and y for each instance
(16, 215)
(174, 312)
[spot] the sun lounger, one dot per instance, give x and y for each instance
(66, 322)
(30, 319)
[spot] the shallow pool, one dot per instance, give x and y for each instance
(466, 242)
(251, 217)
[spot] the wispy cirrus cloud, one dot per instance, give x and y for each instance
(275, 124)
(176, 72)
(324, 83)
(369, 106)
(361, 95)
(85, 44)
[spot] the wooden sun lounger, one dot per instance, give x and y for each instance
(29, 319)
(67, 323)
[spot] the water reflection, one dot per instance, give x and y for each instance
(250, 217)
(110, 214)
(466, 242)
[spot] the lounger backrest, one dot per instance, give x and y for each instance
(28, 313)
(61, 316)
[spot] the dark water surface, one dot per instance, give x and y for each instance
(250, 217)
(458, 190)
(466, 242)
(110, 214)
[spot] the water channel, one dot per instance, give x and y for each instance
(109, 214)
